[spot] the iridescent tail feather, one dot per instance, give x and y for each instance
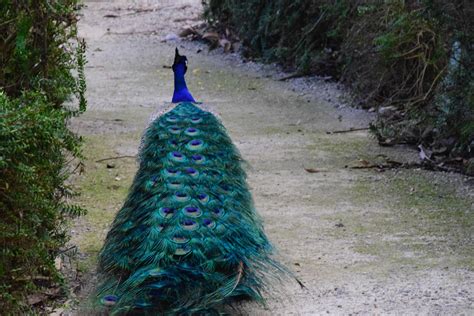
(188, 239)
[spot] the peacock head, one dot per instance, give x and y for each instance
(181, 92)
(180, 62)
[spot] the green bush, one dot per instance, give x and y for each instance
(38, 55)
(394, 54)
(422, 68)
(33, 138)
(299, 34)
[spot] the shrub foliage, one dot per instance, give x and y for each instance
(38, 55)
(413, 57)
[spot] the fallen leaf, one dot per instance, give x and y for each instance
(181, 20)
(57, 312)
(170, 37)
(211, 36)
(225, 44)
(364, 162)
(187, 31)
(53, 292)
(311, 170)
(36, 298)
(58, 263)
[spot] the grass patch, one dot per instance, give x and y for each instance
(413, 214)
(103, 191)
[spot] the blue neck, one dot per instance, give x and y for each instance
(181, 92)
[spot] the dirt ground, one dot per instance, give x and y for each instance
(363, 242)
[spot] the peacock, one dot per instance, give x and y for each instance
(187, 240)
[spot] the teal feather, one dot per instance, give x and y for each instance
(188, 239)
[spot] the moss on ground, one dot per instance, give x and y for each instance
(103, 191)
(405, 217)
(428, 220)
(336, 151)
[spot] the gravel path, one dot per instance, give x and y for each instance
(362, 241)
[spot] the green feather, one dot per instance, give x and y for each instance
(188, 239)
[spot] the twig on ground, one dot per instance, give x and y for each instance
(138, 11)
(66, 250)
(352, 129)
(296, 75)
(391, 164)
(117, 157)
(133, 33)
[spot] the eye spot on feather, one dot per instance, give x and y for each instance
(151, 183)
(109, 300)
(209, 223)
(181, 196)
(191, 131)
(197, 158)
(161, 226)
(195, 145)
(225, 188)
(196, 120)
(192, 172)
(218, 211)
(166, 212)
(174, 185)
(177, 156)
(174, 130)
(173, 143)
(170, 172)
(189, 224)
(177, 239)
(192, 211)
(203, 198)
(172, 119)
(181, 251)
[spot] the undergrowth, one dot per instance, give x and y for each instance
(41, 70)
(410, 60)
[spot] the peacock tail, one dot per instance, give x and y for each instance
(187, 239)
